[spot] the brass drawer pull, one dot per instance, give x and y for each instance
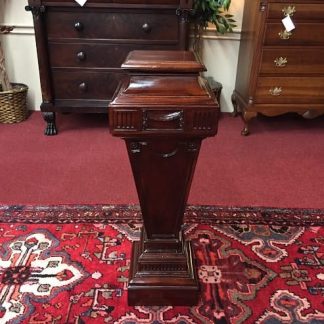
(81, 56)
(281, 61)
(289, 11)
(276, 91)
(83, 87)
(284, 34)
(78, 26)
(146, 28)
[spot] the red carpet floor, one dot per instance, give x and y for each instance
(279, 165)
(77, 273)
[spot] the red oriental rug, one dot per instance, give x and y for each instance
(60, 264)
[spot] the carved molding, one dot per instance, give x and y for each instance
(36, 7)
(162, 267)
(136, 147)
(192, 146)
(184, 14)
(168, 154)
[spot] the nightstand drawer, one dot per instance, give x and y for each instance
(85, 85)
(92, 55)
(289, 90)
(292, 61)
(299, 11)
(161, 26)
(304, 34)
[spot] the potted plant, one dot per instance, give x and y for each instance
(213, 12)
(13, 107)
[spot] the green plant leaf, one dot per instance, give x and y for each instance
(215, 12)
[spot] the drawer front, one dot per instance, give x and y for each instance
(289, 90)
(304, 34)
(299, 11)
(154, 120)
(93, 55)
(85, 85)
(290, 60)
(113, 25)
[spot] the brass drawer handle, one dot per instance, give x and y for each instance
(276, 91)
(284, 34)
(146, 28)
(81, 56)
(281, 61)
(289, 11)
(78, 26)
(83, 87)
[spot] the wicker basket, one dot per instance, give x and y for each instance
(13, 104)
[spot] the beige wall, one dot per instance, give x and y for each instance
(20, 48)
(219, 52)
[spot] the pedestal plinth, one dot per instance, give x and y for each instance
(163, 111)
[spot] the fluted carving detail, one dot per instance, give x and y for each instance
(203, 120)
(124, 120)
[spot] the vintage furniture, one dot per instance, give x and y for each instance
(280, 71)
(163, 111)
(80, 49)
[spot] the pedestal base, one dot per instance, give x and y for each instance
(160, 278)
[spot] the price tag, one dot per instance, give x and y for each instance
(81, 2)
(288, 23)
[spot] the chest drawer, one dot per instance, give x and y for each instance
(304, 34)
(290, 90)
(302, 11)
(161, 26)
(85, 85)
(284, 60)
(93, 55)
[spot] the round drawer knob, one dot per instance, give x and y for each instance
(81, 56)
(146, 28)
(78, 26)
(83, 87)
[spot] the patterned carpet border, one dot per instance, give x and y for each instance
(64, 214)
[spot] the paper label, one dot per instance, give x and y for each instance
(81, 2)
(288, 23)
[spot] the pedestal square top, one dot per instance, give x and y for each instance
(163, 61)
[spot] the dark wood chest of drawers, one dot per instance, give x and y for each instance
(280, 71)
(80, 49)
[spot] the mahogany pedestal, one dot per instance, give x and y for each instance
(163, 110)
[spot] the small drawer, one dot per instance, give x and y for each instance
(305, 34)
(85, 85)
(292, 61)
(299, 11)
(78, 24)
(160, 121)
(289, 90)
(93, 55)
